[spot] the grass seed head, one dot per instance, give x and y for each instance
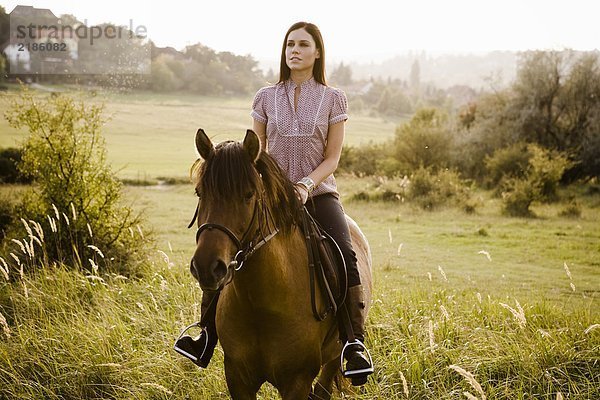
(567, 270)
(518, 313)
(486, 254)
(73, 213)
(56, 213)
(404, 385)
(442, 273)
(5, 327)
(591, 328)
(66, 219)
(97, 250)
(20, 245)
(470, 379)
(432, 344)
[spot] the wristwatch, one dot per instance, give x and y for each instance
(308, 183)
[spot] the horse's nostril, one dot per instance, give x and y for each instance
(219, 269)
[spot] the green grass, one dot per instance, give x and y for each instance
(75, 337)
(71, 335)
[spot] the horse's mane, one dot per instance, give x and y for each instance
(229, 173)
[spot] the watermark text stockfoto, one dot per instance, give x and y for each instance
(82, 31)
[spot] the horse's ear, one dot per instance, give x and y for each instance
(203, 144)
(252, 144)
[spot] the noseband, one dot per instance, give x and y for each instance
(243, 251)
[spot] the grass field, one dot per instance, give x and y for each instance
(152, 135)
(512, 301)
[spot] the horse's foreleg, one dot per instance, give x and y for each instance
(324, 386)
(240, 385)
(296, 388)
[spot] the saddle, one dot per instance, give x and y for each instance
(326, 267)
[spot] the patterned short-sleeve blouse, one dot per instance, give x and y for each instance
(297, 138)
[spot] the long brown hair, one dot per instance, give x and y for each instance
(319, 67)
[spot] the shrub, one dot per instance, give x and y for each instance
(572, 209)
(75, 205)
(362, 160)
(425, 188)
(546, 170)
(7, 214)
(506, 163)
(425, 141)
(430, 189)
(384, 189)
(9, 172)
(540, 182)
(517, 198)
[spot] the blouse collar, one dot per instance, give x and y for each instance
(307, 83)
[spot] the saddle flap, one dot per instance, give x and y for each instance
(327, 262)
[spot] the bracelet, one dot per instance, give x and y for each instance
(308, 183)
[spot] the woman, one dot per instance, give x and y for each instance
(300, 122)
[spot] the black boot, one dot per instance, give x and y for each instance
(200, 349)
(358, 361)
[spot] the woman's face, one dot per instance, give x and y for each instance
(301, 51)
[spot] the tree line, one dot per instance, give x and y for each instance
(522, 141)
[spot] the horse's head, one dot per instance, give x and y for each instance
(230, 191)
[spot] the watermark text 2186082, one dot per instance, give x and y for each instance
(41, 43)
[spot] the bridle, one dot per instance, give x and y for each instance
(245, 247)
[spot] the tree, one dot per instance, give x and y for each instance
(393, 101)
(554, 102)
(342, 75)
(4, 36)
(415, 76)
(163, 78)
(4, 25)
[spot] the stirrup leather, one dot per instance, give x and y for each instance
(185, 353)
(359, 372)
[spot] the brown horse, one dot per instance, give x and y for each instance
(250, 246)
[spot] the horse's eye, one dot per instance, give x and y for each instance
(197, 191)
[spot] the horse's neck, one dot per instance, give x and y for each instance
(275, 271)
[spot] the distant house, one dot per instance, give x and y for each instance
(32, 31)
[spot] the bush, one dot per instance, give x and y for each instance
(430, 189)
(540, 183)
(74, 212)
(363, 160)
(9, 172)
(7, 214)
(425, 141)
(546, 170)
(384, 189)
(572, 209)
(506, 163)
(517, 198)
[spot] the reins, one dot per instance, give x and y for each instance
(243, 251)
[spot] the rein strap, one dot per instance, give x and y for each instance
(243, 253)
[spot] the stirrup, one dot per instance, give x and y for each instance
(185, 353)
(358, 372)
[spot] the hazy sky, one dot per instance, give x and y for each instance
(353, 30)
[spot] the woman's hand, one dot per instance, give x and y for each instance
(302, 193)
